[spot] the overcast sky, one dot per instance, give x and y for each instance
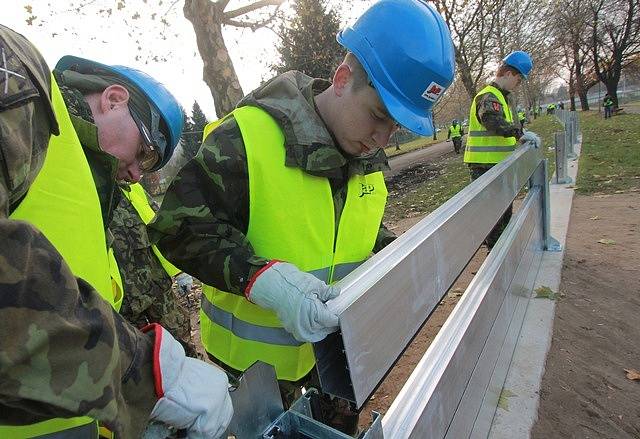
(106, 40)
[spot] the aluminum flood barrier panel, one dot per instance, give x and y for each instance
(453, 391)
(385, 301)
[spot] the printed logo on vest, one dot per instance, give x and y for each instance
(366, 189)
(433, 92)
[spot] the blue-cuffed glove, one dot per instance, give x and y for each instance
(531, 137)
(297, 298)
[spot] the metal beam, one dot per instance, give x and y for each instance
(444, 395)
(385, 301)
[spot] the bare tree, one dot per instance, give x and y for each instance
(571, 19)
(615, 32)
(526, 25)
(208, 18)
(471, 24)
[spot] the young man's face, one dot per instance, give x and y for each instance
(363, 125)
(119, 135)
(512, 80)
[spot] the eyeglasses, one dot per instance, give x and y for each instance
(148, 155)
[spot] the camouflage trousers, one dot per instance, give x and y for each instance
(476, 170)
(163, 307)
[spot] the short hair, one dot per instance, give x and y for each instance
(504, 68)
(358, 73)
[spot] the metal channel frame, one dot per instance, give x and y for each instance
(562, 172)
(385, 301)
(454, 390)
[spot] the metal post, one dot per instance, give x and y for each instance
(561, 159)
(539, 178)
(569, 140)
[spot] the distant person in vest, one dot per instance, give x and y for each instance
(522, 118)
(286, 195)
(607, 103)
(67, 358)
(455, 134)
(493, 132)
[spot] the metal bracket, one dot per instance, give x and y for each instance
(566, 180)
(298, 423)
(552, 245)
(256, 401)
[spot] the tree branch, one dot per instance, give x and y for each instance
(252, 7)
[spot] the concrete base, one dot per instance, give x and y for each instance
(516, 415)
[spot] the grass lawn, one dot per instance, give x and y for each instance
(418, 143)
(610, 159)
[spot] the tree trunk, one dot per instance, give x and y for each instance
(218, 71)
(612, 89)
(584, 102)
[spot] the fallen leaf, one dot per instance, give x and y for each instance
(632, 374)
(607, 241)
(595, 218)
(545, 292)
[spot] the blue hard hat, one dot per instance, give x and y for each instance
(521, 61)
(406, 49)
(161, 102)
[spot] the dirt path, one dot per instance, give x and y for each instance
(596, 335)
(431, 153)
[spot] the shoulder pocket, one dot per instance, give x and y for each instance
(16, 85)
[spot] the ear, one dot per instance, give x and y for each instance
(341, 78)
(113, 97)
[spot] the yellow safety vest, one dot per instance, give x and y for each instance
(291, 218)
(482, 145)
(63, 204)
(138, 198)
(455, 131)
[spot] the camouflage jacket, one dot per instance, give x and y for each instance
(53, 324)
(149, 296)
(144, 278)
(491, 116)
(202, 224)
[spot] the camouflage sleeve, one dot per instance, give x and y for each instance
(491, 115)
(64, 350)
(69, 353)
(203, 220)
(384, 238)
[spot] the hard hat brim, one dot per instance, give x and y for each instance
(410, 118)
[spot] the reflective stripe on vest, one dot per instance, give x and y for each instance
(138, 198)
(484, 146)
(236, 331)
(63, 204)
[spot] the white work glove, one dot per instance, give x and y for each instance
(185, 282)
(531, 137)
(298, 299)
(193, 395)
